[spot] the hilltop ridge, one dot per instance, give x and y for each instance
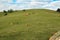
(34, 24)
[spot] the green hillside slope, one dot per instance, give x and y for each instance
(29, 25)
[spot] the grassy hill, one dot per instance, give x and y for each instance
(32, 24)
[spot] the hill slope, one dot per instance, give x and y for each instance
(29, 25)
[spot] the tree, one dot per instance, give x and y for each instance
(24, 10)
(5, 12)
(10, 11)
(58, 10)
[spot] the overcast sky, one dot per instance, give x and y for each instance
(28, 4)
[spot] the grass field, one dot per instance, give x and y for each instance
(34, 24)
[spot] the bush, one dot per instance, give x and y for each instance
(58, 10)
(10, 11)
(24, 10)
(5, 12)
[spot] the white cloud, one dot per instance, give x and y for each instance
(53, 5)
(27, 4)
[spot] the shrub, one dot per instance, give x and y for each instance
(10, 11)
(58, 10)
(5, 12)
(24, 10)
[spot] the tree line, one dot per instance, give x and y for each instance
(10, 11)
(6, 12)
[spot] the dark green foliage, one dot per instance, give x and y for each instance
(58, 10)
(5, 12)
(10, 11)
(24, 10)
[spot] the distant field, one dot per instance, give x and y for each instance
(34, 24)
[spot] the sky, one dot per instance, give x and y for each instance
(29, 4)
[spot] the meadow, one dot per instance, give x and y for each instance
(34, 24)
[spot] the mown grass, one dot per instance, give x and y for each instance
(29, 25)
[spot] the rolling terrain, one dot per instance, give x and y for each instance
(34, 24)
